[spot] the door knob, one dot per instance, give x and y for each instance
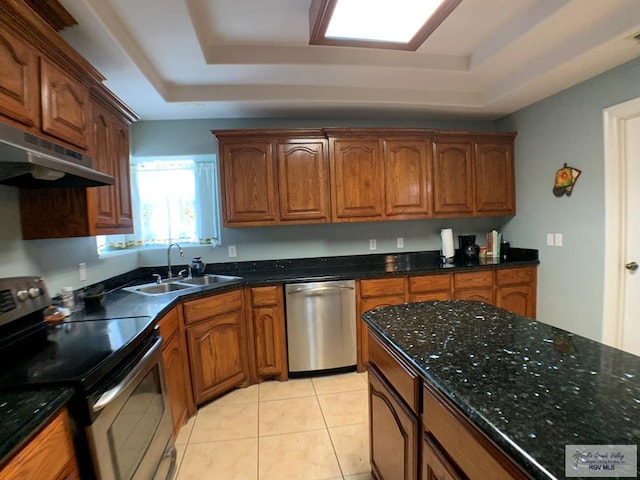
(631, 266)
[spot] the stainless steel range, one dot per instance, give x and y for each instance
(123, 424)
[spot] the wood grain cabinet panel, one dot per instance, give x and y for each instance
(425, 288)
(494, 178)
(435, 465)
(269, 332)
(249, 183)
(394, 431)
(474, 286)
(19, 90)
(216, 342)
(452, 177)
(357, 174)
(65, 105)
(176, 368)
(516, 290)
(49, 456)
(406, 178)
(303, 181)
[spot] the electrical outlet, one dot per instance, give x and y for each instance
(232, 251)
(82, 271)
(372, 244)
(400, 242)
(550, 240)
(558, 239)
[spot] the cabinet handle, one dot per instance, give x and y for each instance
(631, 266)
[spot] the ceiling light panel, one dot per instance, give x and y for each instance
(380, 20)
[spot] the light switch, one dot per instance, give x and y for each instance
(550, 240)
(558, 239)
(372, 244)
(82, 271)
(232, 251)
(400, 242)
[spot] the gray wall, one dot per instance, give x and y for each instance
(567, 127)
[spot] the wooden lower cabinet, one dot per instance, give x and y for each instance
(516, 290)
(176, 368)
(268, 332)
(435, 465)
(49, 456)
(423, 288)
(375, 293)
(474, 286)
(394, 431)
(216, 339)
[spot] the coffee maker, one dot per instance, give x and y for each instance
(469, 251)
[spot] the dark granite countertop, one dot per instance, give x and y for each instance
(23, 413)
(530, 387)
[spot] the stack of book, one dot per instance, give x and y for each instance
(494, 238)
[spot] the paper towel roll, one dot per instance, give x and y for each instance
(447, 243)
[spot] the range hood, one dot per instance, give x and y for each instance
(28, 161)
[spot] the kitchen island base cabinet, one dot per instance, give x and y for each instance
(394, 431)
(216, 340)
(435, 465)
(49, 456)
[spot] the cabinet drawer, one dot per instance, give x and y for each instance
(515, 276)
(203, 308)
(473, 280)
(398, 374)
(265, 296)
(169, 325)
(430, 283)
(379, 287)
(472, 452)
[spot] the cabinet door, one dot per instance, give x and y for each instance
(423, 288)
(217, 355)
(481, 294)
(249, 183)
(406, 175)
(303, 174)
(269, 332)
(174, 359)
(65, 105)
(357, 172)
(368, 304)
(435, 465)
(123, 177)
(19, 93)
(517, 299)
(452, 178)
(49, 456)
(104, 204)
(494, 179)
(394, 433)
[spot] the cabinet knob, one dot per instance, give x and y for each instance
(631, 266)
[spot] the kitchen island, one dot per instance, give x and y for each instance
(498, 395)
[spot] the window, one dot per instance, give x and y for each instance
(174, 200)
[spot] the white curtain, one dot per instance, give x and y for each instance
(174, 200)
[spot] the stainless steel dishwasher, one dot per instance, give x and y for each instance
(321, 325)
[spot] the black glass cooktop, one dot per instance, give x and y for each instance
(78, 354)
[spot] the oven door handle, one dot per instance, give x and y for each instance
(107, 397)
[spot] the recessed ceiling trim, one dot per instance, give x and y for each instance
(320, 13)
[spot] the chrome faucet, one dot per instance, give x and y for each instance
(169, 256)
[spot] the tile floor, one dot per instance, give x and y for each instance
(303, 429)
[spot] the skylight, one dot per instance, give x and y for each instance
(380, 20)
(392, 24)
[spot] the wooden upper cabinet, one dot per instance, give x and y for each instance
(357, 174)
(110, 206)
(65, 105)
(406, 178)
(19, 92)
(303, 181)
(494, 177)
(452, 177)
(249, 183)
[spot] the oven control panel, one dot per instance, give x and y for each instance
(20, 296)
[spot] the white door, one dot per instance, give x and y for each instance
(631, 258)
(621, 312)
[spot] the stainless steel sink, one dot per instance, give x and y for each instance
(158, 288)
(208, 280)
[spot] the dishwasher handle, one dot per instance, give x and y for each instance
(319, 290)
